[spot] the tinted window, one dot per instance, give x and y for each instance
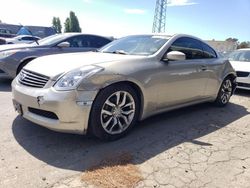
(27, 38)
(98, 42)
(87, 41)
(208, 51)
(76, 42)
(191, 47)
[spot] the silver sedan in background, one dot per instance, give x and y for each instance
(13, 57)
(130, 79)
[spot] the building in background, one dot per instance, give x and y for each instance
(39, 31)
(223, 46)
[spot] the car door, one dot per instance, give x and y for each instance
(183, 81)
(213, 64)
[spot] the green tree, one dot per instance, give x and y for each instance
(67, 25)
(56, 23)
(72, 24)
(232, 39)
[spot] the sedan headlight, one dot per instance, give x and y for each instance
(7, 53)
(72, 79)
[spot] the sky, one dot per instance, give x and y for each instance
(206, 19)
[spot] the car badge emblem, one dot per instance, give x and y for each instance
(22, 76)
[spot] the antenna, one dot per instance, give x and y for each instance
(159, 24)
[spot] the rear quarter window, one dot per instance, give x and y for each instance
(208, 51)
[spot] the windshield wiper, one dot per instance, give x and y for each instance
(120, 52)
(36, 41)
(116, 52)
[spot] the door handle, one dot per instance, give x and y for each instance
(203, 67)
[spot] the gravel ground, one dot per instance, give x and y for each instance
(198, 146)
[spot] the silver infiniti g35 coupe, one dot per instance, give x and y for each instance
(130, 79)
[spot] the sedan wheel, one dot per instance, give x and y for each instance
(225, 93)
(114, 112)
(118, 112)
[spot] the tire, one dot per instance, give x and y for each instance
(114, 112)
(225, 92)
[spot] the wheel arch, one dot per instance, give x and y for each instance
(24, 62)
(137, 89)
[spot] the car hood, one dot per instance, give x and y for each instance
(241, 66)
(55, 65)
(15, 46)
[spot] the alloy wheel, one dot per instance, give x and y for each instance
(226, 91)
(118, 112)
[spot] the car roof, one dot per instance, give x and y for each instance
(19, 36)
(77, 33)
(167, 35)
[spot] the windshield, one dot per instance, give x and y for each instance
(242, 55)
(136, 45)
(51, 39)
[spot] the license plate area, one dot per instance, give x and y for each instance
(18, 107)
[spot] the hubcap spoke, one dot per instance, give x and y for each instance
(128, 112)
(118, 95)
(114, 124)
(123, 100)
(108, 122)
(106, 112)
(127, 105)
(120, 125)
(110, 103)
(125, 119)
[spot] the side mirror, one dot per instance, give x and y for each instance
(63, 45)
(174, 56)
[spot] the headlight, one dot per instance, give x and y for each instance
(7, 53)
(72, 79)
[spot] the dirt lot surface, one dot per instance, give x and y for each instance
(198, 146)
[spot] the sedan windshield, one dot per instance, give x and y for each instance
(242, 55)
(136, 45)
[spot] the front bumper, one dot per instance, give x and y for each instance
(71, 109)
(243, 83)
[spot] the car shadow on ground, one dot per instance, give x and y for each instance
(5, 84)
(150, 138)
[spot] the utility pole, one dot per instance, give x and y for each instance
(159, 24)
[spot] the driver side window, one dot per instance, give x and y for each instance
(190, 47)
(78, 42)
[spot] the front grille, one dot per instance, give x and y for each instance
(242, 74)
(43, 113)
(32, 79)
(244, 85)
